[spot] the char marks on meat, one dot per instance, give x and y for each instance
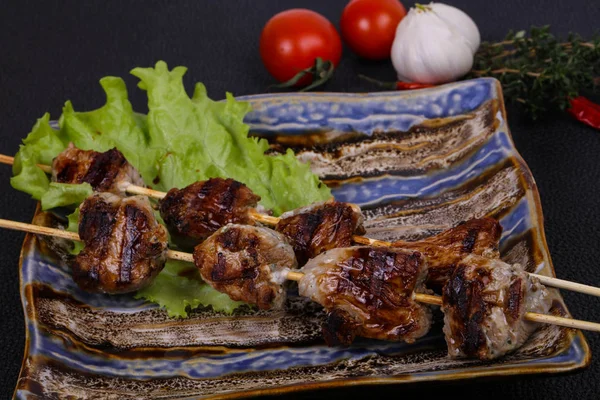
(105, 172)
(125, 247)
(195, 212)
(484, 305)
(320, 227)
(248, 263)
(445, 250)
(368, 292)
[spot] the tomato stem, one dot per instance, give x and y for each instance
(321, 72)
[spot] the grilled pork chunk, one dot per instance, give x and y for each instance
(105, 172)
(367, 292)
(248, 263)
(484, 305)
(446, 250)
(195, 212)
(320, 227)
(125, 247)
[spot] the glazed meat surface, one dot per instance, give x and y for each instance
(248, 263)
(105, 172)
(195, 212)
(484, 305)
(320, 227)
(445, 250)
(125, 247)
(367, 292)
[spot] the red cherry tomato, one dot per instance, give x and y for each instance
(292, 40)
(369, 26)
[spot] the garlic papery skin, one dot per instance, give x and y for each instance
(427, 50)
(459, 21)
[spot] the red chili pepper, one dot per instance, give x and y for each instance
(411, 85)
(398, 85)
(585, 111)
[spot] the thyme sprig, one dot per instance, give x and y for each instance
(538, 70)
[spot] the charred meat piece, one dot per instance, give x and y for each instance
(248, 263)
(320, 227)
(484, 305)
(105, 172)
(445, 250)
(368, 292)
(125, 247)
(195, 212)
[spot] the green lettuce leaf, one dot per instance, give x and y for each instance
(65, 194)
(112, 125)
(208, 139)
(179, 288)
(40, 146)
(73, 226)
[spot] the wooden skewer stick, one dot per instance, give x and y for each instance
(534, 317)
(269, 220)
(10, 161)
(296, 276)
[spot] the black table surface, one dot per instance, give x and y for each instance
(51, 52)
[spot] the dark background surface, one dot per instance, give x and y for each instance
(51, 52)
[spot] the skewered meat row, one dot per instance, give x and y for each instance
(368, 292)
(200, 209)
(502, 298)
(248, 263)
(484, 305)
(105, 172)
(125, 246)
(193, 213)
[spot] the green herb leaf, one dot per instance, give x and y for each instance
(538, 71)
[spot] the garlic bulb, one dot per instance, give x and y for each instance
(434, 44)
(459, 21)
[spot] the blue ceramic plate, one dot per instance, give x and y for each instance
(416, 162)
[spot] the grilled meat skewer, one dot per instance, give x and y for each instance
(368, 292)
(105, 172)
(195, 212)
(320, 227)
(125, 246)
(485, 303)
(447, 249)
(248, 263)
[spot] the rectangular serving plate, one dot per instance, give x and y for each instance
(416, 162)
